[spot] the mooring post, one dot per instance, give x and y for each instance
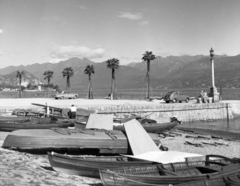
(227, 114)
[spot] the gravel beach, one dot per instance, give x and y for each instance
(23, 169)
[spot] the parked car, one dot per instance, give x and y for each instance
(175, 97)
(66, 95)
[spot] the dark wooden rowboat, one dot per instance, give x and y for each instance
(159, 175)
(149, 127)
(232, 180)
(35, 123)
(6, 119)
(89, 166)
(113, 142)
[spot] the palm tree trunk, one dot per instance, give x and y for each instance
(148, 79)
(91, 89)
(48, 88)
(20, 88)
(113, 83)
(89, 86)
(69, 86)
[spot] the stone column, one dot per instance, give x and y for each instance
(213, 90)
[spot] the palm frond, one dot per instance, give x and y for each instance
(113, 63)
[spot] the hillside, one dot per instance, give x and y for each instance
(11, 79)
(169, 72)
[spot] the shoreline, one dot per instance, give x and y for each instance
(25, 169)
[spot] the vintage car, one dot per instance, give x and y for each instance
(175, 97)
(66, 95)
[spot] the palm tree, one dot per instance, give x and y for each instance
(148, 56)
(68, 72)
(113, 64)
(19, 75)
(48, 74)
(89, 70)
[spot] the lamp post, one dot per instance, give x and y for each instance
(213, 90)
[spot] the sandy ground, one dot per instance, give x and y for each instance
(22, 169)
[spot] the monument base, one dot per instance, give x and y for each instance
(214, 94)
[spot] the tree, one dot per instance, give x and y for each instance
(48, 74)
(68, 72)
(89, 70)
(148, 56)
(113, 64)
(19, 75)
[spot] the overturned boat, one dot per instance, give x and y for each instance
(61, 139)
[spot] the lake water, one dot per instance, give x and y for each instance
(224, 127)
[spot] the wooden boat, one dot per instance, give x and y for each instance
(159, 175)
(89, 166)
(149, 127)
(113, 142)
(35, 123)
(7, 119)
(232, 180)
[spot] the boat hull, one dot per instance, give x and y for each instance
(46, 139)
(11, 127)
(35, 123)
(114, 178)
(89, 166)
(232, 180)
(152, 128)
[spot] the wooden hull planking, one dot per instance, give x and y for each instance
(48, 139)
(89, 167)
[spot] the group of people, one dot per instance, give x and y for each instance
(204, 96)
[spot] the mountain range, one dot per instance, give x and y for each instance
(11, 79)
(173, 72)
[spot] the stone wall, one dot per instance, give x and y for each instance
(162, 112)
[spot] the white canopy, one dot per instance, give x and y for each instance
(164, 156)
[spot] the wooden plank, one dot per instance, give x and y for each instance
(100, 121)
(138, 138)
(57, 116)
(45, 106)
(195, 158)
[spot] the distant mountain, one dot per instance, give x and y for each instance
(11, 79)
(172, 72)
(160, 67)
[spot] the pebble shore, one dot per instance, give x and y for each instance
(23, 169)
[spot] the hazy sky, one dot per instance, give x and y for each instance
(38, 31)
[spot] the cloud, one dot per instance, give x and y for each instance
(66, 52)
(82, 7)
(142, 23)
(55, 19)
(131, 16)
(1, 31)
(1, 53)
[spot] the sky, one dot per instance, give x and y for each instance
(40, 31)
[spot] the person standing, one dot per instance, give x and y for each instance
(73, 110)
